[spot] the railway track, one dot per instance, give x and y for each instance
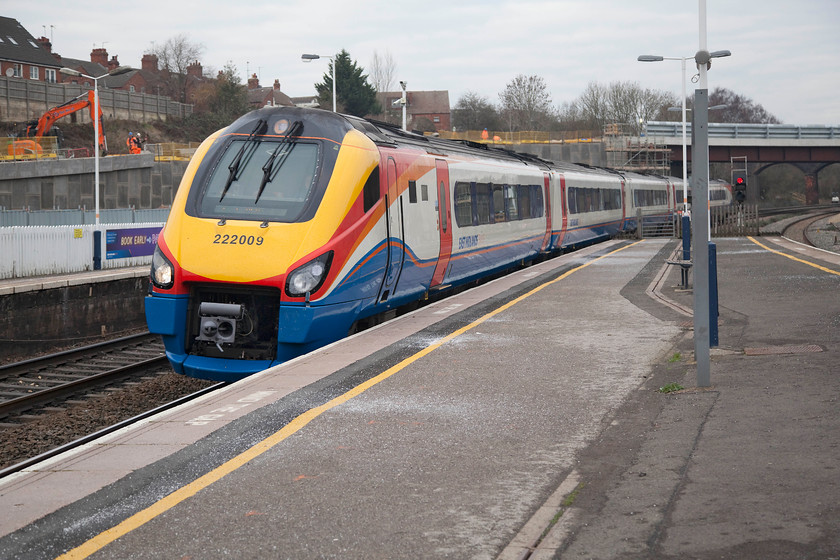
(798, 230)
(38, 419)
(32, 384)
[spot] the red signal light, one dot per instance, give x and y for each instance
(739, 181)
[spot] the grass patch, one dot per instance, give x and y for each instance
(566, 503)
(675, 358)
(671, 388)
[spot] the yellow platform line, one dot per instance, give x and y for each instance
(168, 502)
(791, 257)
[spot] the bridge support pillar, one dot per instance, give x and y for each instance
(812, 189)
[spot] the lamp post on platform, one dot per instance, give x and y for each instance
(657, 58)
(311, 57)
(705, 261)
(96, 124)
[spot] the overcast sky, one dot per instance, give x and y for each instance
(785, 55)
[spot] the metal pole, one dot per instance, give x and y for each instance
(700, 192)
(404, 102)
(684, 147)
(96, 146)
(332, 58)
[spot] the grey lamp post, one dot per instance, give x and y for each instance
(115, 72)
(311, 57)
(656, 58)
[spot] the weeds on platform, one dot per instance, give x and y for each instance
(671, 388)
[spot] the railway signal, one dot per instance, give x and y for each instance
(739, 181)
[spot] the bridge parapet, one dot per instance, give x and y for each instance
(749, 130)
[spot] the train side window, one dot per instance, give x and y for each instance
(524, 192)
(511, 203)
(482, 203)
(442, 206)
(370, 191)
(463, 204)
(412, 192)
(499, 204)
(424, 192)
(536, 201)
(572, 196)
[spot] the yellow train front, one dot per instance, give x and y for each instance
(267, 215)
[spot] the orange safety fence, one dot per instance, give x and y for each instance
(523, 137)
(22, 149)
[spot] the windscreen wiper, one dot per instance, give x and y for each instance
(283, 149)
(234, 165)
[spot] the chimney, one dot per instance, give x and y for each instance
(194, 69)
(276, 84)
(113, 63)
(44, 43)
(149, 62)
(253, 82)
(99, 56)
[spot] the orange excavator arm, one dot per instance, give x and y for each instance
(47, 120)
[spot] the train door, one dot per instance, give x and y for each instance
(546, 243)
(623, 207)
(395, 249)
(444, 222)
(564, 212)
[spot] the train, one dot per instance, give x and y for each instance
(293, 227)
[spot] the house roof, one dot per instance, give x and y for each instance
(306, 101)
(86, 66)
(17, 45)
(261, 95)
(419, 102)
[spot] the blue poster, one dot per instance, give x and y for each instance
(133, 242)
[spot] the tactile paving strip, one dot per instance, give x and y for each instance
(773, 350)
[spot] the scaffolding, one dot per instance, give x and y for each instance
(627, 151)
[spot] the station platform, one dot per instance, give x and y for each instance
(520, 419)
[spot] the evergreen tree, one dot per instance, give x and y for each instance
(355, 96)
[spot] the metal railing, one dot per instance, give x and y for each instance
(741, 130)
(47, 250)
(80, 216)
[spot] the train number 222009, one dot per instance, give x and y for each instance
(234, 239)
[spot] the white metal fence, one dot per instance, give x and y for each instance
(44, 250)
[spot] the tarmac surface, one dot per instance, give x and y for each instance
(520, 420)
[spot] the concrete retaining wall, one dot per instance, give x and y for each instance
(589, 153)
(47, 319)
(126, 180)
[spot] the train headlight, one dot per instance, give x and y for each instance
(309, 277)
(163, 273)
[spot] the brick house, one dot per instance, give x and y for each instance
(24, 57)
(266, 96)
(425, 109)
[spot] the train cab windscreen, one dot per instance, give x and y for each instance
(261, 179)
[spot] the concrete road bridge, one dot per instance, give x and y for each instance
(754, 147)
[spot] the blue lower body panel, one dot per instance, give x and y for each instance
(301, 329)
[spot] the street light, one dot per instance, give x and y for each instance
(682, 59)
(115, 72)
(311, 57)
(656, 58)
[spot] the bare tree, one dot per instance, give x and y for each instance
(624, 103)
(383, 71)
(738, 109)
(592, 106)
(174, 58)
(475, 112)
(526, 103)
